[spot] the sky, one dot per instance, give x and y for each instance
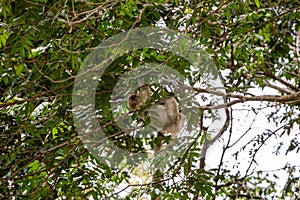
(267, 160)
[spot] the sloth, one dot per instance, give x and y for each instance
(137, 100)
(165, 118)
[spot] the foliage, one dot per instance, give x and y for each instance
(43, 43)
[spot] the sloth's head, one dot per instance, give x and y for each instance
(133, 97)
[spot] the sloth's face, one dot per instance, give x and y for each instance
(133, 97)
(133, 101)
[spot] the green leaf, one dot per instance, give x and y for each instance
(54, 133)
(257, 3)
(3, 38)
(34, 166)
(19, 69)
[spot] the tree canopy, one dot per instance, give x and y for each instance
(46, 46)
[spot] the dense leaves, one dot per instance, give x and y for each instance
(254, 44)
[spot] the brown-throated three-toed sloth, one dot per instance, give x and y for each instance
(166, 118)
